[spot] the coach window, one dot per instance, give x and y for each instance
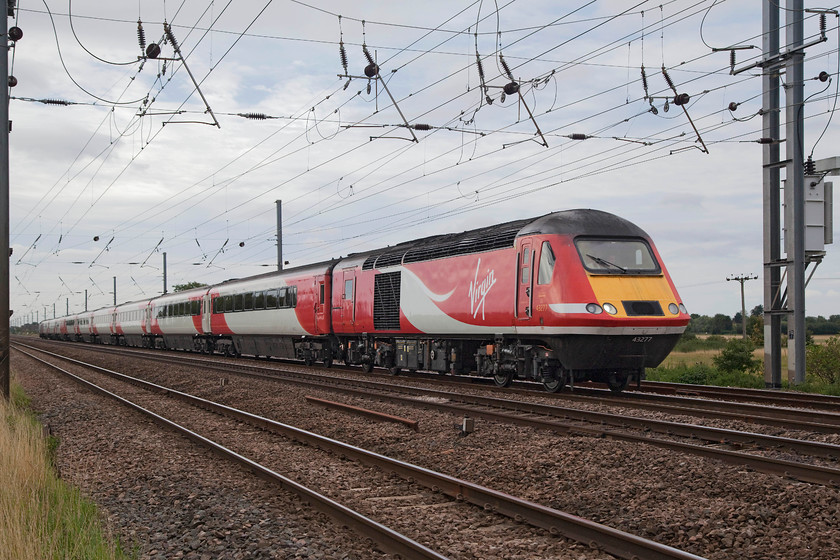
(271, 299)
(228, 304)
(291, 296)
(526, 265)
(249, 301)
(259, 300)
(546, 264)
(238, 301)
(348, 289)
(321, 294)
(196, 307)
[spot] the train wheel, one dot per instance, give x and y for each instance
(394, 370)
(503, 378)
(328, 363)
(617, 381)
(307, 358)
(367, 367)
(556, 382)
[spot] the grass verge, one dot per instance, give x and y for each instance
(40, 515)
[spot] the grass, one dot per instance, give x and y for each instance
(40, 515)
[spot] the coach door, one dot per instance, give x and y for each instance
(525, 280)
(322, 305)
(348, 300)
(206, 311)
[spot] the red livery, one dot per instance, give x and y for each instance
(572, 295)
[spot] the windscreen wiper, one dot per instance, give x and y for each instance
(606, 263)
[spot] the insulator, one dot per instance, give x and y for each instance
(682, 99)
(367, 55)
(480, 67)
(168, 30)
(810, 168)
(153, 50)
(506, 67)
(141, 35)
(644, 81)
(502, 97)
(668, 79)
(765, 141)
(578, 136)
(420, 126)
(54, 102)
(368, 87)
(343, 55)
(511, 88)
(489, 100)
(254, 116)
(822, 23)
(732, 58)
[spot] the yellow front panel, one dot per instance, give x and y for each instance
(615, 289)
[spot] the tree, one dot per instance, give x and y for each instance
(720, 324)
(187, 286)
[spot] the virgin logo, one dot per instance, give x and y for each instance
(478, 292)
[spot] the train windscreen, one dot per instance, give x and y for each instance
(617, 256)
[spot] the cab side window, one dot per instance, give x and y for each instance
(547, 260)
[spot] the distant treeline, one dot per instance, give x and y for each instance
(724, 324)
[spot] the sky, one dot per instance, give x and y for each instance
(116, 159)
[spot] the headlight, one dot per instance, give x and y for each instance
(672, 307)
(683, 309)
(610, 308)
(593, 308)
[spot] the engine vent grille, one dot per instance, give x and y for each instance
(451, 245)
(640, 308)
(386, 301)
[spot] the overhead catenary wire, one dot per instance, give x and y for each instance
(512, 58)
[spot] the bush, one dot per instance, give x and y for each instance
(737, 356)
(823, 360)
(700, 374)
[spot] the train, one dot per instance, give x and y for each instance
(570, 296)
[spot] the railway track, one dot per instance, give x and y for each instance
(813, 462)
(742, 394)
(616, 542)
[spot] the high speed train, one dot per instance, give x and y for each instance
(569, 296)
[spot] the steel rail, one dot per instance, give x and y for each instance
(788, 418)
(390, 540)
(694, 431)
(800, 471)
(763, 415)
(614, 541)
(766, 396)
